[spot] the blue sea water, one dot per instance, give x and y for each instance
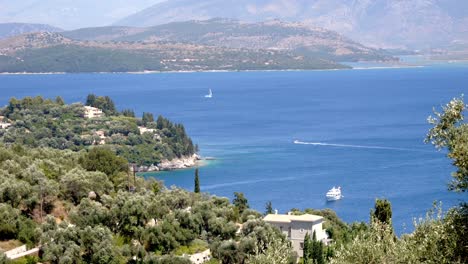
(371, 125)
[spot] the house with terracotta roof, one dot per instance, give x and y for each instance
(295, 227)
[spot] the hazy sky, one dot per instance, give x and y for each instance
(70, 14)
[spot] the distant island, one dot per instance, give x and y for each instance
(212, 45)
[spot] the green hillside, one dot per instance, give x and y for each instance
(272, 35)
(165, 57)
(38, 122)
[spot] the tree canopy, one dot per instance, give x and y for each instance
(451, 131)
(87, 215)
(39, 122)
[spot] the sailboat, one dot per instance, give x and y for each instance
(209, 95)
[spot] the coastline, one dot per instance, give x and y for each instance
(231, 71)
(163, 72)
(184, 162)
(383, 65)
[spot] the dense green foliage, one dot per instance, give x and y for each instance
(451, 132)
(104, 103)
(316, 250)
(103, 160)
(382, 212)
(435, 240)
(39, 122)
(240, 202)
(276, 252)
(148, 225)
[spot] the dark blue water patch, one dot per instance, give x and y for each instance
(370, 125)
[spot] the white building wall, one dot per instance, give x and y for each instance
(296, 231)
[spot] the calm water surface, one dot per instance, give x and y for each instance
(371, 124)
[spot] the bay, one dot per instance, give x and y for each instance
(370, 125)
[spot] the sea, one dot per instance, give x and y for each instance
(290, 136)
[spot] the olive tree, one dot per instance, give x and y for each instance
(451, 132)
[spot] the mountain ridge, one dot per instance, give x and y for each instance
(380, 23)
(13, 29)
(70, 14)
(269, 35)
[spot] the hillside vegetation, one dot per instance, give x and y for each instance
(83, 215)
(65, 187)
(272, 35)
(38, 122)
(52, 52)
(82, 207)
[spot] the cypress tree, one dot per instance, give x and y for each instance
(268, 208)
(240, 202)
(197, 182)
(382, 211)
(317, 250)
(319, 254)
(128, 113)
(59, 100)
(307, 249)
(91, 100)
(147, 118)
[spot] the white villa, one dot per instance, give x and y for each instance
(295, 228)
(4, 124)
(92, 112)
(145, 129)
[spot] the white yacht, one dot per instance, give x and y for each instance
(209, 95)
(334, 194)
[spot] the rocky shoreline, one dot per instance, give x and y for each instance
(174, 164)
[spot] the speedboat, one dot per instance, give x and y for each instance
(334, 194)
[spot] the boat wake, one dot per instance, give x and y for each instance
(354, 146)
(249, 182)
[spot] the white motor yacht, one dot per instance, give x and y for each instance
(334, 194)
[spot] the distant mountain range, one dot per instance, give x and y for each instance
(70, 14)
(272, 35)
(415, 24)
(216, 44)
(13, 29)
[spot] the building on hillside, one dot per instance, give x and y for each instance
(4, 124)
(102, 137)
(201, 257)
(92, 112)
(295, 227)
(145, 129)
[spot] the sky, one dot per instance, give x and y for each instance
(70, 14)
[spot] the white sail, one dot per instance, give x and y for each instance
(209, 95)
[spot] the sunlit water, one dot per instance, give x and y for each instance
(362, 130)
